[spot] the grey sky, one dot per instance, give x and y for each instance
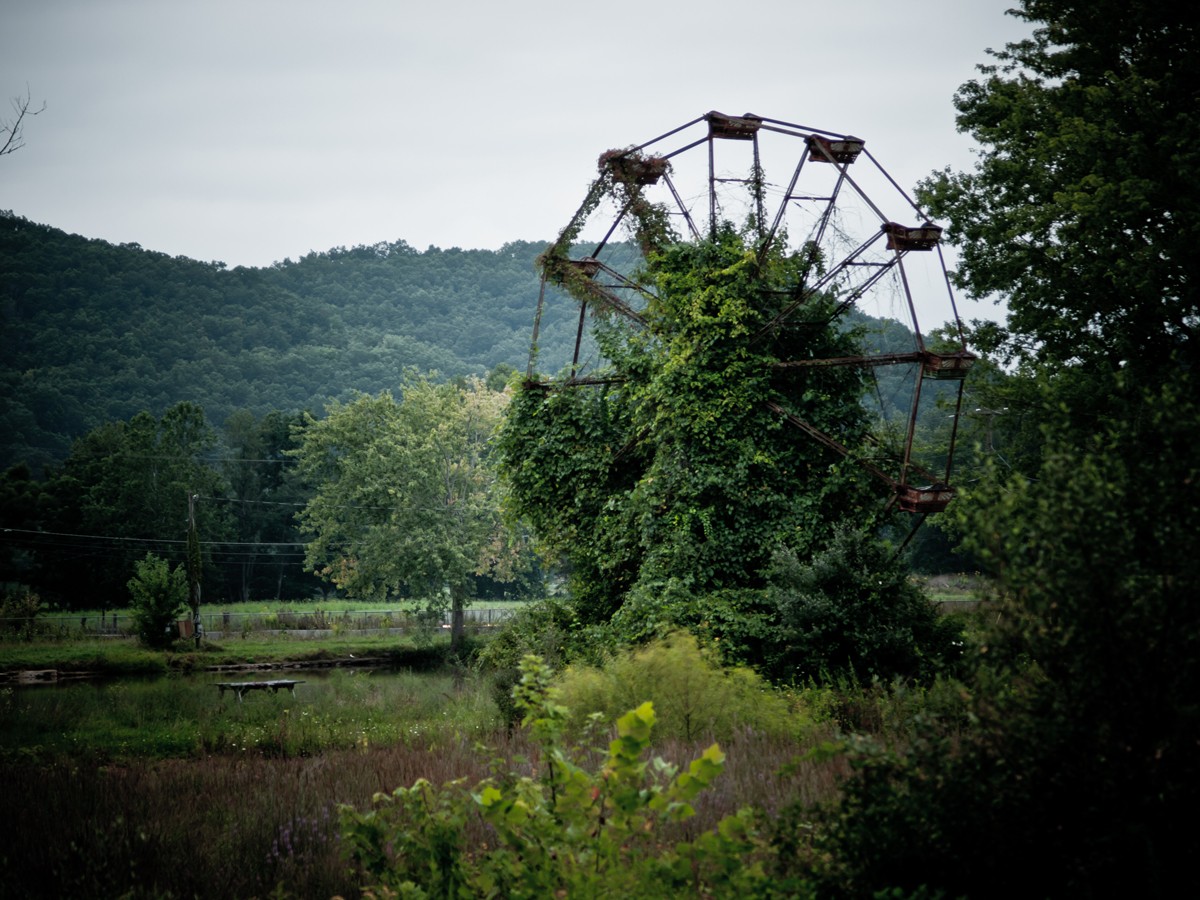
(248, 131)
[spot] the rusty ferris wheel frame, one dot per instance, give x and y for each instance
(862, 253)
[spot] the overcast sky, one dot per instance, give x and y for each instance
(249, 131)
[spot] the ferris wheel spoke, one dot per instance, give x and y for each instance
(839, 232)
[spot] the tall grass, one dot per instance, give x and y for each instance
(188, 716)
(165, 787)
(241, 824)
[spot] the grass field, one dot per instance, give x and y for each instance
(246, 619)
(110, 656)
(155, 785)
(160, 786)
(186, 716)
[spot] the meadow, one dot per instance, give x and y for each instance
(159, 785)
(133, 775)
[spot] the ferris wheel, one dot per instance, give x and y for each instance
(820, 194)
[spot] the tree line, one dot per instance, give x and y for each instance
(92, 332)
(285, 505)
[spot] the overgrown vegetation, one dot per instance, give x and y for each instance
(676, 478)
(99, 767)
(692, 692)
(1047, 745)
(568, 830)
(184, 716)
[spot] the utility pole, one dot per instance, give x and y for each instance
(193, 566)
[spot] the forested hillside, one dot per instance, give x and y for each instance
(94, 333)
(115, 355)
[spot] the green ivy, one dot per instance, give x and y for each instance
(676, 470)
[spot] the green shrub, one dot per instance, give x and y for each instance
(546, 629)
(693, 694)
(566, 832)
(19, 611)
(158, 595)
(854, 611)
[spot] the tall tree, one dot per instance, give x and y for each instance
(264, 498)
(1082, 212)
(405, 500)
(129, 483)
(1083, 750)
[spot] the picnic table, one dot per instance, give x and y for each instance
(241, 687)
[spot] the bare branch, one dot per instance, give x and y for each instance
(10, 131)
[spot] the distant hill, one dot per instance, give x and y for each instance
(94, 332)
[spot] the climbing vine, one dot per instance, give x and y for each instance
(675, 470)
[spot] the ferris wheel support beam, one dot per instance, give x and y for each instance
(828, 277)
(644, 188)
(912, 428)
(787, 196)
(912, 309)
(687, 216)
(822, 438)
(665, 135)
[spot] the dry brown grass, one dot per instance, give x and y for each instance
(238, 826)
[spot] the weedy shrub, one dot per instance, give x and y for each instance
(547, 629)
(693, 694)
(158, 595)
(853, 610)
(566, 832)
(19, 609)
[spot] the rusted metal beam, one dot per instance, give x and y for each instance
(822, 438)
(941, 366)
(552, 384)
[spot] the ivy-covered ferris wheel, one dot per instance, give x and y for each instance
(831, 238)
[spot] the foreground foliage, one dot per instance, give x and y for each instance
(1080, 751)
(566, 832)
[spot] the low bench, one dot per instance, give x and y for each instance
(241, 687)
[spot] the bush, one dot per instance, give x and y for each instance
(158, 595)
(693, 695)
(546, 629)
(19, 611)
(854, 611)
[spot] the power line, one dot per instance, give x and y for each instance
(104, 537)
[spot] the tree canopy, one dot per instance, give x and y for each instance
(129, 482)
(404, 498)
(92, 332)
(1081, 213)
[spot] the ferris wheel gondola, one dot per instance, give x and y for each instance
(836, 208)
